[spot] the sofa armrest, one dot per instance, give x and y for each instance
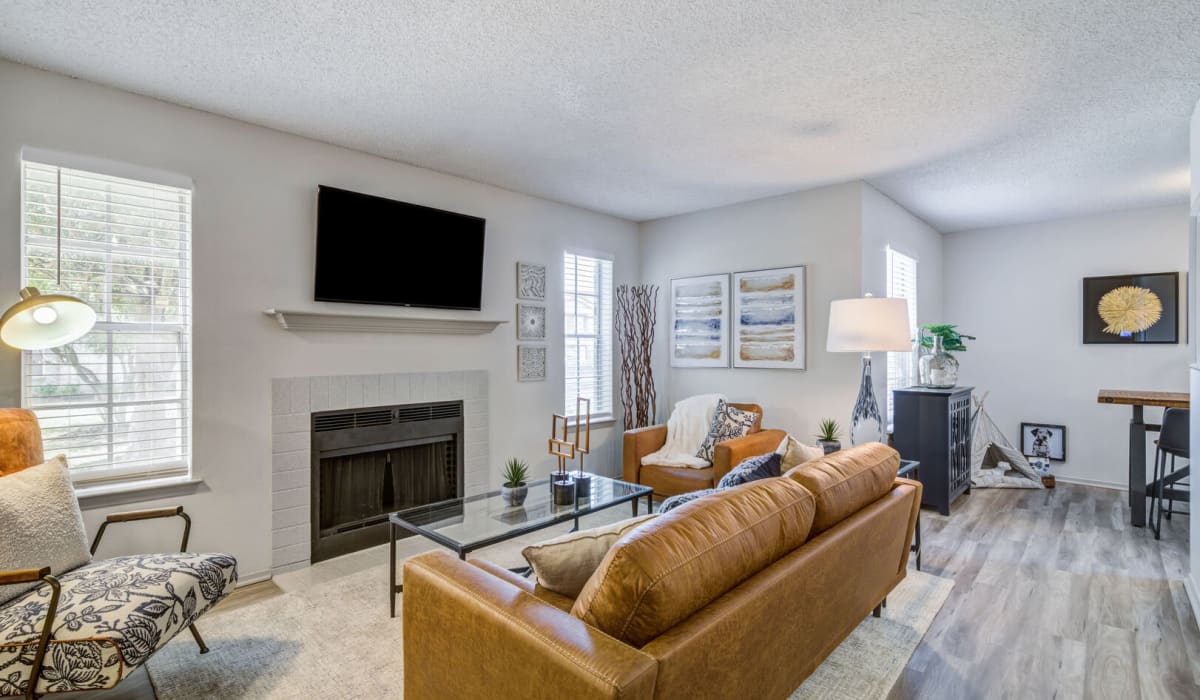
(470, 634)
(640, 442)
(918, 488)
(730, 453)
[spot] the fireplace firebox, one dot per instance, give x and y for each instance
(369, 462)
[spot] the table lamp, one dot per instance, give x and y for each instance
(868, 325)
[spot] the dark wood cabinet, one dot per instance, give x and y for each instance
(933, 427)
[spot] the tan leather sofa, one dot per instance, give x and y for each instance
(669, 481)
(740, 594)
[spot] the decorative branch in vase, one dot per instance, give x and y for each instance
(635, 317)
(938, 368)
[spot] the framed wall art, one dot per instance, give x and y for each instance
(700, 321)
(768, 318)
(531, 322)
(1131, 309)
(1045, 441)
(531, 363)
(531, 281)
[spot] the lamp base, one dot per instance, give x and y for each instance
(866, 425)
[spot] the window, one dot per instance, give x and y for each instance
(902, 284)
(587, 330)
(117, 402)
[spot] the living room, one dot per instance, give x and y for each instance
(1008, 154)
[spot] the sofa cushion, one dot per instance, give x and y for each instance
(40, 523)
(673, 502)
(660, 573)
(847, 480)
(751, 469)
(794, 453)
(563, 564)
(728, 423)
(112, 616)
(671, 480)
(20, 440)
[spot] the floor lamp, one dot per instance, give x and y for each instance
(868, 325)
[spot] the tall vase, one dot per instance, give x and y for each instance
(866, 425)
(939, 369)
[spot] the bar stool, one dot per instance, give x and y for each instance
(1173, 441)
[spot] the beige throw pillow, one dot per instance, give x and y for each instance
(795, 453)
(564, 564)
(40, 523)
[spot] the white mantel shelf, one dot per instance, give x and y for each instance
(352, 323)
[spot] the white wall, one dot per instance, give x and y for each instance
(253, 229)
(1019, 289)
(818, 228)
(884, 224)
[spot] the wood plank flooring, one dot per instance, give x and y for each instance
(1056, 596)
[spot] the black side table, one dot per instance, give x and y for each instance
(909, 469)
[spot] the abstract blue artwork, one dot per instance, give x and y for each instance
(768, 306)
(700, 321)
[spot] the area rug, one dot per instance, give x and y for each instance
(334, 639)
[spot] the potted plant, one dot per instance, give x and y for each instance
(830, 436)
(513, 491)
(938, 368)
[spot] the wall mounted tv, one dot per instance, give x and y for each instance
(372, 250)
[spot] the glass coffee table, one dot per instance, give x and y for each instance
(467, 524)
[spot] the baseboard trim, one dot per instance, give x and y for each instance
(1092, 482)
(1193, 595)
(256, 577)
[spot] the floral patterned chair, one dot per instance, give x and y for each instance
(90, 627)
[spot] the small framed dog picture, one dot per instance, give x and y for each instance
(1044, 441)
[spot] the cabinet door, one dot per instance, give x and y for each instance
(960, 441)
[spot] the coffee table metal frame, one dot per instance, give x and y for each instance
(396, 522)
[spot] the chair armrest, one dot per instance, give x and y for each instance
(150, 514)
(23, 575)
(144, 514)
(729, 454)
(473, 635)
(640, 442)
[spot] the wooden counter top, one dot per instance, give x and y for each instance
(1166, 399)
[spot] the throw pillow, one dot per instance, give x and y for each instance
(565, 563)
(673, 502)
(41, 523)
(795, 453)
(752, 469)
(728, 423)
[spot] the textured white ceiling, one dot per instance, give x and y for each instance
(969, 113)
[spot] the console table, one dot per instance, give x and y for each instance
(1138, 427)
(933, 427)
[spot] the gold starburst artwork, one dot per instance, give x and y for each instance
(1129, 310)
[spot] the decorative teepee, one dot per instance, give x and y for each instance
(989, 449)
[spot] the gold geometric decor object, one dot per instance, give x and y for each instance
(1129, 310)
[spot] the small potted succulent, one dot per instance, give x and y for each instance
(514, 490)
(830, 436)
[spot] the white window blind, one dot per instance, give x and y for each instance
(117, 402)
(901, 284)
(587, 324)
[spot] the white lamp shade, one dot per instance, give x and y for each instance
(40, 321)
(869, 324)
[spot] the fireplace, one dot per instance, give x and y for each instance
(369, 462)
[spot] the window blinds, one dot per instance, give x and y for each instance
(902, 284)
(587, 325)
(117, 402)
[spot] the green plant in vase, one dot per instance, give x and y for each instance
(937, 367)
(830, 435)
(514, 489)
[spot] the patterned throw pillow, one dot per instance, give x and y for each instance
(728, 422)
(680, 498)
(752, 469)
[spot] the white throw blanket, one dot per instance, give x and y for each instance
(686, 429)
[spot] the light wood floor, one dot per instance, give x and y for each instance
(1056, 596)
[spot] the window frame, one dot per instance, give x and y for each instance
(604, 312)
(164, 470)
(914, 309)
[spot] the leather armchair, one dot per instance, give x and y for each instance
(668, 481)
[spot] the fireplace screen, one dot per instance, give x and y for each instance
(361, 489)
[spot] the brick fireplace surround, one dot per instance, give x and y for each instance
(294, 399)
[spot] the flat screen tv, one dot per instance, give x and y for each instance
(372, 250)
